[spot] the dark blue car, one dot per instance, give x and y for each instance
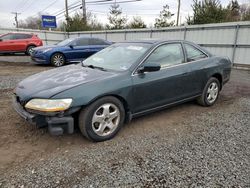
(70, 50)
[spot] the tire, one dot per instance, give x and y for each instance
(210, 92)
(102, 119)
(29, 50)
(57, 60)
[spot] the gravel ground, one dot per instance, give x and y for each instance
(184, 146)
(18, 58)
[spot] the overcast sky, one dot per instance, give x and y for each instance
(147, 9)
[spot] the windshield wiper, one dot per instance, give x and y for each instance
(95, 67)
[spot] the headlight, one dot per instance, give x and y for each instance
(46, 50)
(49, 105)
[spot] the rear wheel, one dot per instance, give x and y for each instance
(29, 50)
(102, 119)
(210, 93)
(57, 60)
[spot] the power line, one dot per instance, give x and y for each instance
(22, 4)
(18, 4)
(24, 7)
(54, 2)
(63, 10)
(79, 5)
(120, 2)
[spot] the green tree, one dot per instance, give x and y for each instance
(207, 11)
(76, 23)
(163, 20)
(116, 20)
(136, 23)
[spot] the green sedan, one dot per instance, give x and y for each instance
(123, 81)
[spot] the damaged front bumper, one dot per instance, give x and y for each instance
(57, 123)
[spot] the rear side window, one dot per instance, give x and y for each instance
(82, 42)
(7, 37)
(97, 42)
(22, 36)
(193, 54)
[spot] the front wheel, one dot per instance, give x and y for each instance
(210, 93)
(57, 60)
(102, 119)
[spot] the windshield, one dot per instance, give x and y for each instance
(118, 57)
(65, 42)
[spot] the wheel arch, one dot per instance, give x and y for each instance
(219, 77)
(31, 44)
(120, 98)
(57, 52)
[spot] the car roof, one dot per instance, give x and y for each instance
(155, 42)
(20, 33)
(87, 37)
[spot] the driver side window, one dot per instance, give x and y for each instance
(167, 55)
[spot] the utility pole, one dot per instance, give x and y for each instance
(84, 14)
(16, 20)
(178, 12)
(67, 12)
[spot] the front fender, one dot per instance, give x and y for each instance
(85, 94)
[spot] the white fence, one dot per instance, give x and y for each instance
(48, 37)
(224, 39)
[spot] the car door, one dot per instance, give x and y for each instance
(20, 42)
(168, 85)
(80, 49)
(198, 61)
(6, 43)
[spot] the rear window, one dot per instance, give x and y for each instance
(22, 36)
(97, 42)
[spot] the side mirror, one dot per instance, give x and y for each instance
(149, 67)
(1, 40)
(71, 46)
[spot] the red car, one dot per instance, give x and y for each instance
(19, 42)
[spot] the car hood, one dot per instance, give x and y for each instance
(49, 83)
(41, 48)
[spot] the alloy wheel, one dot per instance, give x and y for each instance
(58, 60)
(106, 119)
(212, 92)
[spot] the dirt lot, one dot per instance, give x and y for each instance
(184, 146)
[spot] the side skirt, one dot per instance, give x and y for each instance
(162, 107)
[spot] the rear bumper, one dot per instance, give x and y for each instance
(56, 125)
